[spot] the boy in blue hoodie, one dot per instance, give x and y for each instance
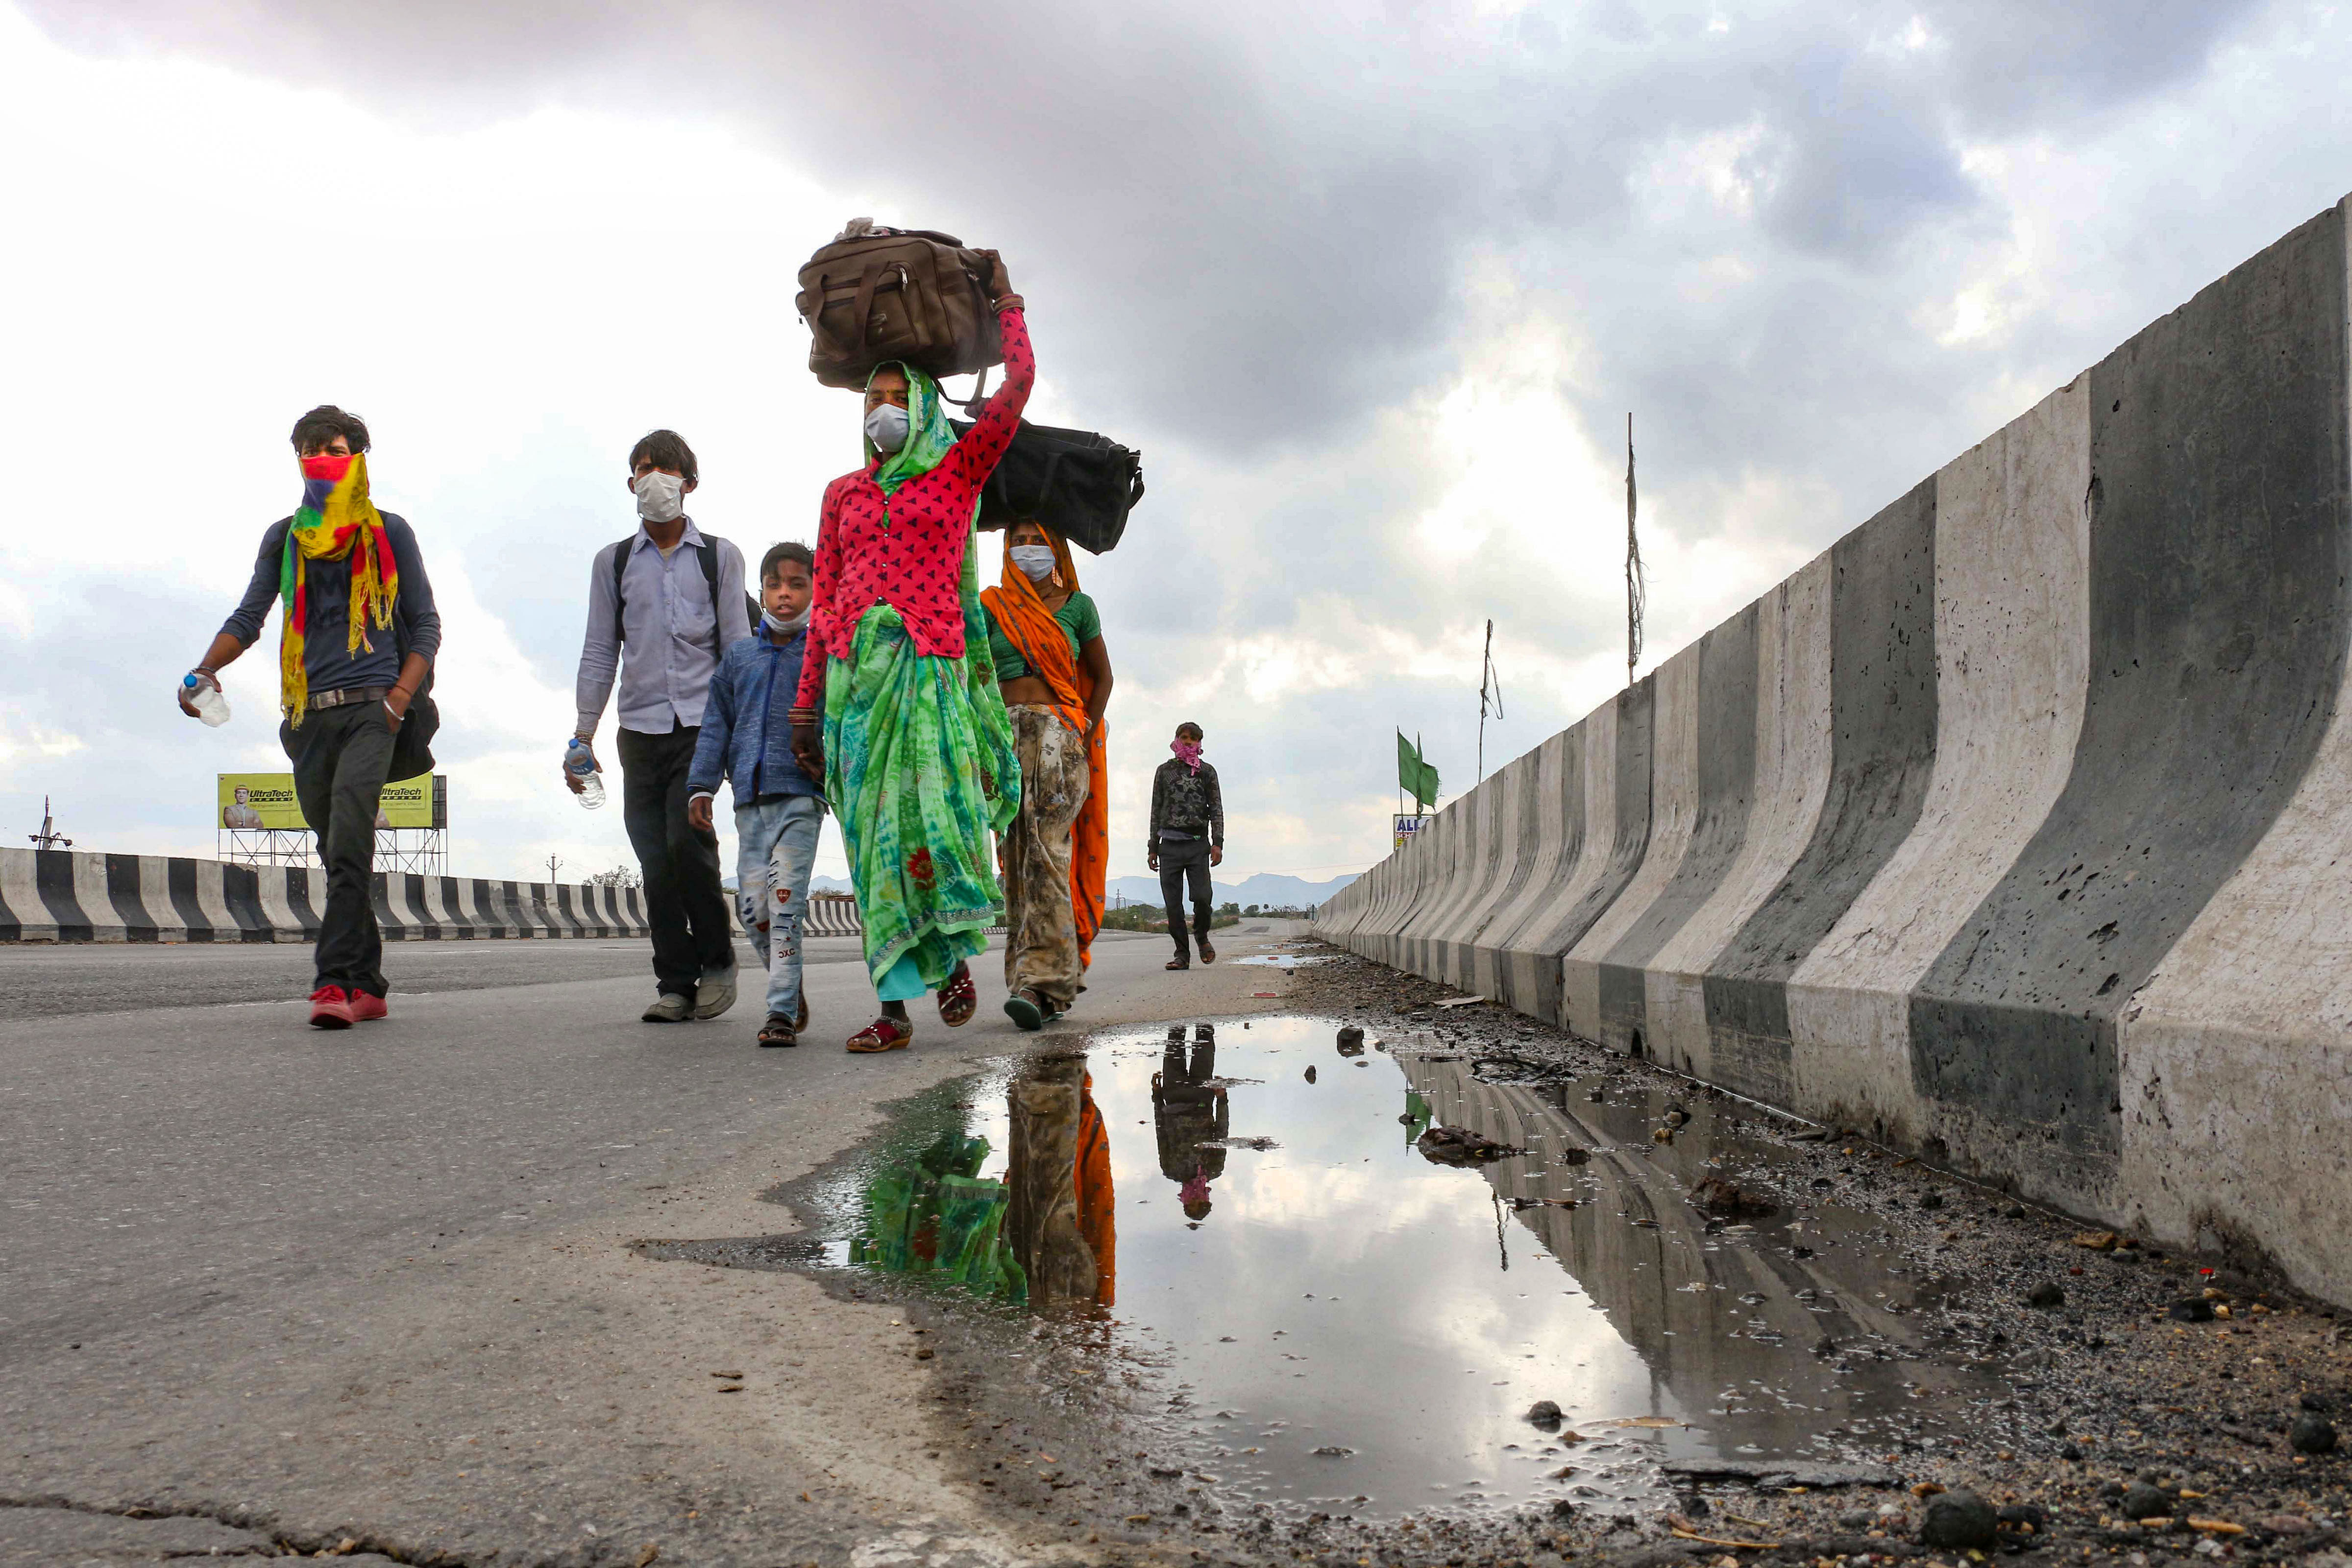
(747, 739)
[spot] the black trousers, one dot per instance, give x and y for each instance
(1182, 860)
(340, 756)
(694, 930)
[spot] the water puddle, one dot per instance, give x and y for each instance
(1285, 960)
(1338, 1279)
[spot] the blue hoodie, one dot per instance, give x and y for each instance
(747, 728)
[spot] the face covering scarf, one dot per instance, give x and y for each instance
(335, 519)
(1187, 752)
(660, 496)
(929, 434)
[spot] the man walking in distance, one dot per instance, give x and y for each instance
(357, 639)
(672, 596)
(1188, 836)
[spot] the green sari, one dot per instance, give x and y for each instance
(920, 764)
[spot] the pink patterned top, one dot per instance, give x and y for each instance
(907, 550)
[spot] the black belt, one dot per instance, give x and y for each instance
(347, 694)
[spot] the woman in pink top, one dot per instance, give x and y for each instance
(899, 710)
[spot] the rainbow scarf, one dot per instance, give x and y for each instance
(335, 515)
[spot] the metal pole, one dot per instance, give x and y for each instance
(1637, 590)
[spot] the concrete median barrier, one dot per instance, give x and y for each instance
(2014, 829)
(71, 894)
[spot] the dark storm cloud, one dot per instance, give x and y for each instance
(1246, 223)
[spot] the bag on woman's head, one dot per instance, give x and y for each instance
(1077, 483)
(873, 295)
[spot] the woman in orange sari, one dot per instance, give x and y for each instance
(1046, 638)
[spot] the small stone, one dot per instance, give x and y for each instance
(2096, 1240)
(2071, 1451)
(1310, 1074)
(2312, 1434)
(1351, 1035)
(1856, 1521)
(2014, 1211)
(2047, 1294)
(1334, 1451)
(1932, 1200)
(2286, 1524)
(2142, 1500)
(2191, 1310)
(2318, 1403)
(1959, 1521)
(1544, 1413)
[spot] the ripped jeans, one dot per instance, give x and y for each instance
(775, 845)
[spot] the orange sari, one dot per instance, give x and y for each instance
(1045, 646)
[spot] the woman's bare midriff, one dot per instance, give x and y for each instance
(1029, 690)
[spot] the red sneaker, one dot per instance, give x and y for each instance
(330, 1008)
(366, 1007)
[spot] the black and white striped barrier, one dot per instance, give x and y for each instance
(63, 895)
(2012, 828)
(832, 917)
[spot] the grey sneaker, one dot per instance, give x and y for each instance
(714, 993)
(670, 1008)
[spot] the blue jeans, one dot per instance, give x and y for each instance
(775, 840)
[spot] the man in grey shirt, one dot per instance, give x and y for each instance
(663, 605)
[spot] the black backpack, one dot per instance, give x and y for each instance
(1077, 483)
(710, 562)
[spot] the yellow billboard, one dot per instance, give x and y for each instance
(254, 801)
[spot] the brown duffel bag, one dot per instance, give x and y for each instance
(874, 294)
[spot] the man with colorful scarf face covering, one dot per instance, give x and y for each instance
(1045, 637)
(899, 710)
(357, 639)
(1188, 836)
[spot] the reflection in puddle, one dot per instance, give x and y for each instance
(1285, 960)
(1344, 1310)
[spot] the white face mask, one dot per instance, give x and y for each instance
(660, 496)
(786, 628)
(885, 426)
(1035, 561)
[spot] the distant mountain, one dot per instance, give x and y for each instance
(1265, 887)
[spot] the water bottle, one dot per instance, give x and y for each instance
(206, 699)
(580, 762)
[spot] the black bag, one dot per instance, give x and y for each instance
(412, 748)
(1077, 483)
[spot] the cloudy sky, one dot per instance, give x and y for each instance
(1371, 286)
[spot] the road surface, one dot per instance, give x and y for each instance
(281, 1285)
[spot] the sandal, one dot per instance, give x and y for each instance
(884, 1033)
(1208, 953)
(958, 998)
(779, 1030)
(1028, 1010)
(1178, 963)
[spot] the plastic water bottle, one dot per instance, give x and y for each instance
(580, 762)
(206, 699)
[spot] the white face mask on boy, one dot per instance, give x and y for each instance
(1035, 561)
(885, 426)
(660, 496)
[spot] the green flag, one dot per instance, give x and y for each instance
(1414, 776)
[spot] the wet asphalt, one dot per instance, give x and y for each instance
(447, 1291)
(378, 1285)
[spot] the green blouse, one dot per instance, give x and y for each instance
(1080, 621)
